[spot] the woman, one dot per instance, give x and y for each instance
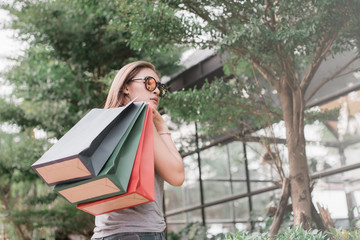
(140, 80)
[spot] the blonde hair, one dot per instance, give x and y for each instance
(116, 94)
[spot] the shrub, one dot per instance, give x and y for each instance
(344, 234)
(196, 231)
(297, 233)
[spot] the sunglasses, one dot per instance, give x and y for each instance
(151, 84)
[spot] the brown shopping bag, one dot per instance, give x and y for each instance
(84, 149)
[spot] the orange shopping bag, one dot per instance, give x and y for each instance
(141, 184)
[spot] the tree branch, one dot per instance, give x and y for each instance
(204, 16)
(287, 69)
(332, 77)
(318, 57)
(266, 74)
(235, 10)
(272, 16)
(277, 161)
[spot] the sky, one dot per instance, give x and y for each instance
(9, 48)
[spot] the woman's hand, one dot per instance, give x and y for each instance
(159, 122)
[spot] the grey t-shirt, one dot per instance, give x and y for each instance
(147, 217)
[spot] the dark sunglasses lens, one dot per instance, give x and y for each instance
(150, 84)
(162, 89)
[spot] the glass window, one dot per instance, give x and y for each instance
(260, 170)
(189, 193)
(254, 152)
(214, 163)
(256, 185)
(176, 219)
(321, 158)
(182, 197)
(333, 200)
(260, 203)
(174, 198)
(214, 190)
(239, 187)
(194, 216)
(317, 131)
(237, 165)
(191, 167)
(241, 208)
(219, 212)
(192, 193)
(352, 153)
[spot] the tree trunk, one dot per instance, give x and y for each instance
(293, 107)
(17, 228)
(299, 178)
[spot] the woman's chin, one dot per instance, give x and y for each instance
(153, 105)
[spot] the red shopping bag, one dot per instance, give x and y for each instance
(141, 184)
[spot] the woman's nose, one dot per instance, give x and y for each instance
(157, 91)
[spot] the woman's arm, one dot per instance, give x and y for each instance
(168, 162)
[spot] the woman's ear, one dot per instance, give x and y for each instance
(125, 90)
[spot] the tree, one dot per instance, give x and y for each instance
(282, 41)
(28, 205)
(74, 47)
(74, 50)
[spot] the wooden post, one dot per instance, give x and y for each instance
(325, 215)
(317, 218)
(285, 194)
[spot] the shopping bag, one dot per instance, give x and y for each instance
(113, 179)
(84, 149)
(141, 184)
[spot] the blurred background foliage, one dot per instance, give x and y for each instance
(74, 49)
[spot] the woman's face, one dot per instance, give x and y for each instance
(136, 89)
